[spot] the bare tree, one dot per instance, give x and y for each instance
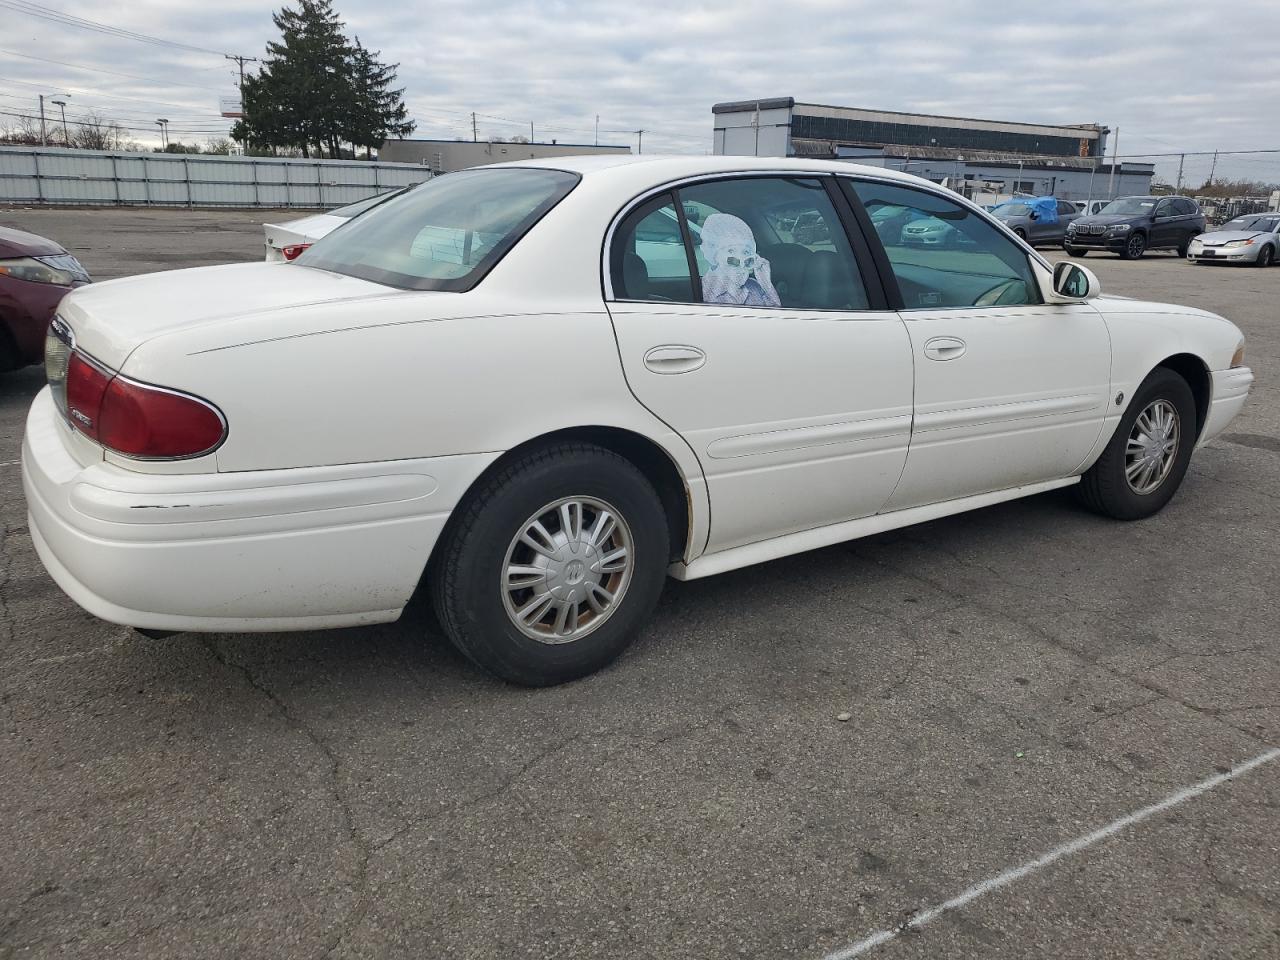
(24, 132)
(96, 132)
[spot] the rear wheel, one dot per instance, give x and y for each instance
(1266, 256)
(1135, 247)
(548, 568)
(1147, 457)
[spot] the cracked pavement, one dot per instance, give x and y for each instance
(1017, 677)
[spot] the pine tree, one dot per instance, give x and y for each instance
(316, 90)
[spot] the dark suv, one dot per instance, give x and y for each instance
(1130, 226)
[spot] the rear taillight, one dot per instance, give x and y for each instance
(292, 251)
(130, 418)
(153, 423)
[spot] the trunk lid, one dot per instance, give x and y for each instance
(110, 320)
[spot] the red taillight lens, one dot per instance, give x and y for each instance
(136, 419)
(292, 250)
(142, 421)
(85, 386)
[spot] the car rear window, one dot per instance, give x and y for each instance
(444, 235)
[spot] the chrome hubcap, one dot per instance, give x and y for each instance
(1152, 447)
(567, 569)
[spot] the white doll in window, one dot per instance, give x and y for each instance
(737, 273)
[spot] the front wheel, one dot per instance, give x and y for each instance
(1265, 257)
(548, 568)
(1076, 251)
(1147, 457)
(1135, 247)
(1185, 245)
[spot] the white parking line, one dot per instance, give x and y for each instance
(1039, 863)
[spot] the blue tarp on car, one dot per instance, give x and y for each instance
(1046, 208)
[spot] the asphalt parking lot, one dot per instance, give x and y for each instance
(1018, 678)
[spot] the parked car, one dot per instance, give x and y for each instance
(1253, 238)
(1131, 226)
(1042, 220)
(284, 241)
(1089, 208)
(542, 430)
(928, 232)
(35, 274)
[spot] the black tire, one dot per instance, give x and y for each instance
(1185, 245)
(1266, 256)
(1104, 488)
(1076, 251)
(1134, 247)
(467, 571)
(1022, 234)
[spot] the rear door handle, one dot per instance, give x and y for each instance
(944, 348)
(674, 358)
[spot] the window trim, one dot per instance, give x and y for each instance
(889, 278)
(876, 294)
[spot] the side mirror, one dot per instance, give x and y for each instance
(1073, 283)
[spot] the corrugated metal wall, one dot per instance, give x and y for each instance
(39, 175)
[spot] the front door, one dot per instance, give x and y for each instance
(1009, 390)
(764, 352)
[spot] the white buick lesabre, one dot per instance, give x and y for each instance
(538, 389)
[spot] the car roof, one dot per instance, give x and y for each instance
(673, 167)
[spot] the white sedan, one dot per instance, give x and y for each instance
(285, 241)
(506, 389)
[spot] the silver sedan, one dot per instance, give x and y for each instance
(1253, 238)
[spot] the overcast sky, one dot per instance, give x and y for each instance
(1173, 75)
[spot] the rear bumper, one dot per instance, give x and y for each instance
(254, 551)
(1230, 391)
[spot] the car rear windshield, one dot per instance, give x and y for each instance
(446, 234)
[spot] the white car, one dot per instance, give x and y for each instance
(484, 389)
(285, 241)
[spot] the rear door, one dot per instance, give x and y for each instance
(1009, 390)
(767, 349)
(1167, 226)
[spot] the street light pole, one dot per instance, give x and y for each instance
(44, 139)
(62, 104)
(163, 124)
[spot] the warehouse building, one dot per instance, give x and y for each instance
(446, 156)
(989, 156)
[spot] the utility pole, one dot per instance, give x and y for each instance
(640, 141)
(66, 137)
(1115, 155)
(241, 61)
(1213, 167)
(44, 140)
(755, 122)
(531, 131)
(474, 136)
(597, 129)
(1181, 157)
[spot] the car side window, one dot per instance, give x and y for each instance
(944, 254)
(1187, 207)
(1066, 209)
(648, 259)
(1165, 209)
(771, 242)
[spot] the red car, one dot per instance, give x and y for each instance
(35, 274)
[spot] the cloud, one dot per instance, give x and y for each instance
(1173, 77)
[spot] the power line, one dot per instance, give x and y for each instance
(67, 19)
(113, 73)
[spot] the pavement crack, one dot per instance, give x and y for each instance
(361, 884)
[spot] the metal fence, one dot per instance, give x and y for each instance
(42, 175)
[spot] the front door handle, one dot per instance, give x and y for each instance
(944, 348)
(674, 358)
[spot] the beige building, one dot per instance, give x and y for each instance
(446, 156)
